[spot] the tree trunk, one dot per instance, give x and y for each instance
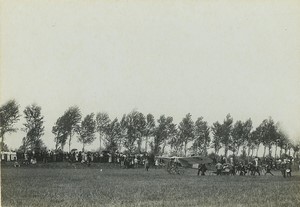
(163, 148)
(2, 143)
(270, 150)
(82, 147)
(146, 144)
(100, 141)
(226, 151)
(290, 152)
(185, 144)
(139, 142)
(276, 152)
(70, 143)
(257, 150)
(264, 151)
(248, 153)
(280, 153)
(238, 149)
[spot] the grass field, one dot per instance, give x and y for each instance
(83, 186)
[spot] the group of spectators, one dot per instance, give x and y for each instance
(75, 156)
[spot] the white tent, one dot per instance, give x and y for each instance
(8, 156)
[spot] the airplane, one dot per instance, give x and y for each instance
(176, 165)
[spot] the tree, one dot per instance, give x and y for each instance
(33, 127)
(256, 139)
(71, 120)
(149, 129)
(246, 137)
(175, 143)
(186, 130)
(296, 149)
(237, 136)
(269, 134)
(217, 134)
(166, 129)
(226, 133)
(9, 115)
(61, 133)
(202, 138)
(134, 124)
(86, 130)
(113, 135)
(281, 141)
(102, 122)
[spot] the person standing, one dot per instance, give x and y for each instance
(219, 168)
(202, 168)
(135, 162)
(283, 168)
(288, 168)
(156, 163)
(147, 164)
(268, 169)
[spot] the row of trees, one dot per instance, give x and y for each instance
(135, 129)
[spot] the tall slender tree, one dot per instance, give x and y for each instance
(256, 139)
(202, 138)
(165, 130)
(246, 137)
(60, 132)
(134, 123)
(33, 126)
(86, 130)
(186, 131)
(226, 133)
(72, 118)
(217, 134)
(237, 136)
(102, 122)
(113, 135)
(269, 134)
(149, 129)
(9, 115)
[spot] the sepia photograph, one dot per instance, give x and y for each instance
(124, 103)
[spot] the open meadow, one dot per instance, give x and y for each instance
(73, 185)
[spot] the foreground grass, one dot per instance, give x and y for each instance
(136, 187)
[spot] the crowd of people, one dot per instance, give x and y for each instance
(75, 156)
(222, 166)
(252, 168)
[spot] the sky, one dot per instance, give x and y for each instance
(207, 58)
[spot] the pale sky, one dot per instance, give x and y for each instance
(207, 58)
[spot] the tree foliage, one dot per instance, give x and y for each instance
(226, 133)
(33, 126)
(60, 132)
(102, 122)
(202, 138)
(186, 131)
(149, 129)
(166, 129)
(86, 130)
(217, 134)
(9, 115)
(71, 119)
(113, 136)
(134, 124)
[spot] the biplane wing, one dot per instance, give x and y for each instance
(188, 161)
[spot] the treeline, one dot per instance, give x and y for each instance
(136, 132)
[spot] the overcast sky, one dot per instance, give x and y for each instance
(207, 58)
